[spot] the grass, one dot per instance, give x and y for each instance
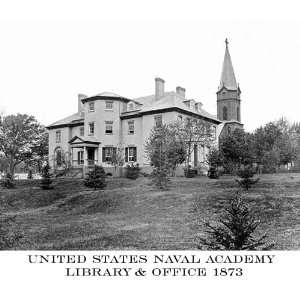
(131, 214)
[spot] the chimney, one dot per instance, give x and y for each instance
(180, 91)
(159, 88)
(198, 105)
(80, 105)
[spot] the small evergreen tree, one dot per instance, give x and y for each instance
(96, 178)
(235, 230)
(246, 180)
(8, 181)
(160, 176)
(46, 178)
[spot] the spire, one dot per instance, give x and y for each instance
(228, 78)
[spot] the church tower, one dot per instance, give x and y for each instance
(228, 96)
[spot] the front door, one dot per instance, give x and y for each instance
(195, 155)
(91, 156)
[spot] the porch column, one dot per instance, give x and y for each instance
(85, 162)
(97, 155)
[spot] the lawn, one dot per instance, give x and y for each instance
(131, 214)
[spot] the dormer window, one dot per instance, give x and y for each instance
(91, 106)
(109, 104)
(130, 106)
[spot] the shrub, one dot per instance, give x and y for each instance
(213, 173)
(246, 180)
(46, 178)
(8, 239)
(8, 181)
(133, 171)
(189, 172)
(235, 230)
(96, 178)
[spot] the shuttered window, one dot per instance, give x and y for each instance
(130, 154)
(108, 153)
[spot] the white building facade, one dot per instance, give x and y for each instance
(107, 122)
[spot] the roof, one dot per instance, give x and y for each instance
(169, 100)
(227, 77)
(68, 121)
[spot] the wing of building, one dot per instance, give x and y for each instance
(107, 122)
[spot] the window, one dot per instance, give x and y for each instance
(225, 116)
(130, 154)
(131, 127)
(158, 120)
(58, 157)
(81, 131)
(179, 117)
(108, 127)
(80, 157)
(238, 114)
(214, 132)
(109, 104)
(108, 153)
(91, 106)
(58, 136)
(229, 130)
(130, 106)
(91, 128)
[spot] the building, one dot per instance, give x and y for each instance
(107, 122)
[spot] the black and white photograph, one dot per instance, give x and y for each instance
(160, 128)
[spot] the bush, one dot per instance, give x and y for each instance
(235, 230)
(246, 180)
(96, 178)
(189, 172)
(213, 173)
(46, 178)
(8, 239)
(133, 171)
(8, 181)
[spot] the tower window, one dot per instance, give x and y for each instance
(238, 114)
(225, 113)
(109, 105)
(108, 127)
(91, 128)
(91, 107)
(58, 136)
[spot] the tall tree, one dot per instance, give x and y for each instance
(19, 135)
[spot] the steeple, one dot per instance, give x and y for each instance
(228, 94)
(227, 77)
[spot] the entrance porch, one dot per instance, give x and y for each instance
(84, 153)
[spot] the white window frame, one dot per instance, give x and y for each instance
(111, 104)
(131, 157)
(58, 136)
(91, 106)
(110, 124)
(81, 130)
(131, 127)
(156, 118)
(91, 125)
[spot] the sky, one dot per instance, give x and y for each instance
(52, 53)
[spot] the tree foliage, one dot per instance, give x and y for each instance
(96, 178)
(235, 230)
(22, 139)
